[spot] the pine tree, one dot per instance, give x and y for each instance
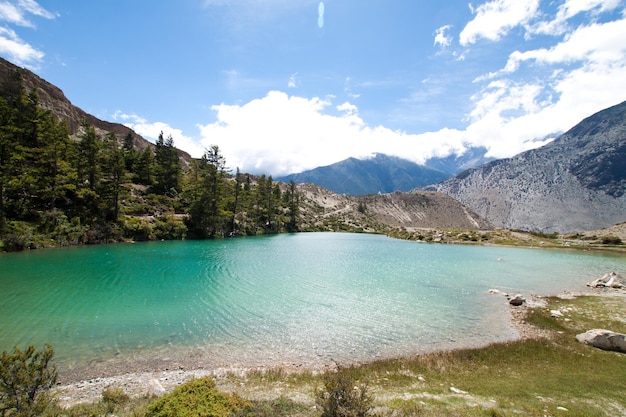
(7, 142)
(113, 164)
(235, 203)
(130, 155)
(292, 201)
(166, 166)
(57, 159)
(86, 187)
(206, 214)
(143, 167)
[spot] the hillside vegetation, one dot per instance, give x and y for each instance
(63, 183)
(60, 189)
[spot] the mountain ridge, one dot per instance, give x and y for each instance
(575, 182)
(384, 173)
(380, 174)
(53, 99)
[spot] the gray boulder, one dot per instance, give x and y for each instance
(604, 339)
(517, 300)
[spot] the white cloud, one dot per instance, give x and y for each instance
(292, 81)
(151, 131)
(11, 44)
(537, 93)
(17, 12)
(16, 49)
(594, 43)
(550, 89)
(348, 89)
(442, 38)
(10, 13)
(570, 9)
(348, 108)
(495, 18)
(281, 134)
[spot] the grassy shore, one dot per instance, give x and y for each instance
(547, 372)
(611, 239)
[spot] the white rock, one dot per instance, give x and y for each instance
(615, 282)
(457, 391)
(556, 313)
(611, 280)
(155, 387)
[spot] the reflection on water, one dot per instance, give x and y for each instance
(302, 299)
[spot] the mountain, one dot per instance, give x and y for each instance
(577, 182)
(322, 209)
(453, 164)
(380, 174)
(53, 99)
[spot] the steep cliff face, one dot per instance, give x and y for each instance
(575, 183)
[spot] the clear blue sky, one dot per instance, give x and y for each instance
(286, 85)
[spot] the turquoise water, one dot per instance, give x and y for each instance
(302, 299)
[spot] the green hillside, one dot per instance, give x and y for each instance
(59, 188)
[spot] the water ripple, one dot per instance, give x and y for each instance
(302, 298)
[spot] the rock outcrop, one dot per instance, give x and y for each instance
(577, 182)
(425, 210)
(517, 300)
(610, 280)
(53, 99)
(604, 339)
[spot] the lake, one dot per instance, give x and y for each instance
(293, 299)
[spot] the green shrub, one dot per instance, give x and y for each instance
(137, 229)
(169, 228)
(25, 378)
(196, 398)
(17, 236)
(341, 396)
(113, 398)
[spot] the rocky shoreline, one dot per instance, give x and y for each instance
(163, 379)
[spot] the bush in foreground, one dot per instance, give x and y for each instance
(196, 398)
(25, 378)
(341, 396)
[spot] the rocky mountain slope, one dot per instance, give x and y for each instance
(453, 163)
(53, 99)
(323, 209)
(577, 182)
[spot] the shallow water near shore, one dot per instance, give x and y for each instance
(298, 300)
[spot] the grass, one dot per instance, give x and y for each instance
(556, 376)
(504, 237)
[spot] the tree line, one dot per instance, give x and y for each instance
(60, 189)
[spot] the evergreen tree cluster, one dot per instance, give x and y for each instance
(61, 189)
